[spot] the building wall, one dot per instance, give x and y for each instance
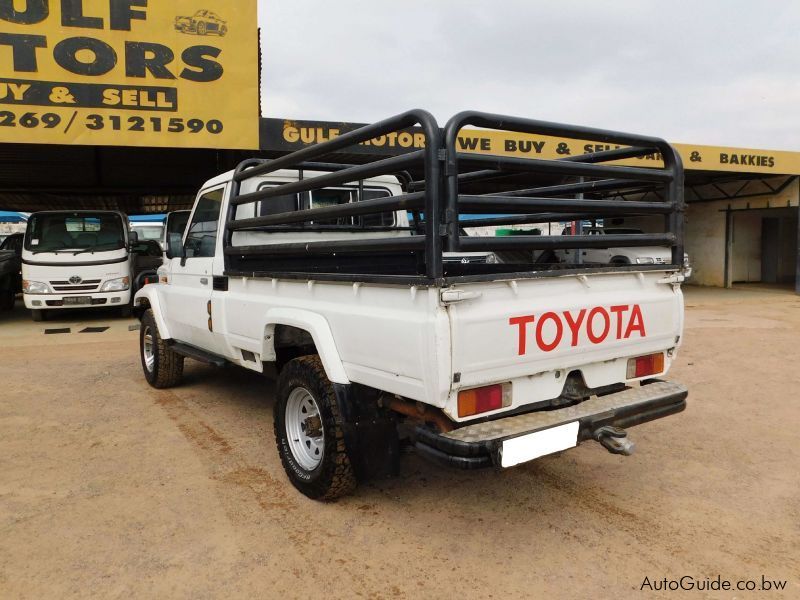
(705, 231)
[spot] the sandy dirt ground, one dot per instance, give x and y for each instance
(111, 489)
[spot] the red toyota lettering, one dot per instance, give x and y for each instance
(549, 316)
(522, 322)
(636, 323)
(574, 326)
(595, 323)
(598, 339)
(618, 310)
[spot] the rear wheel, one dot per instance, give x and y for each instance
(162, 366)
(308, 431)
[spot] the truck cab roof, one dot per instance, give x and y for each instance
(290, 174)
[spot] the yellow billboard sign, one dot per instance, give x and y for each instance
(182, 73)
(695, 157)
(289, 135)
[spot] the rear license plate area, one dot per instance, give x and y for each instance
(527, 447)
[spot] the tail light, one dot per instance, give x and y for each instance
(483, 399)
(642, 366)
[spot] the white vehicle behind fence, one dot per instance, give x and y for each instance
(148, 230)
(642, 255)
(315, 271)
(77, 259)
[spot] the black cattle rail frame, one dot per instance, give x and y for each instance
(415, 255)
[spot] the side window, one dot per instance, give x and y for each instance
(385, 219)
(201, 240)
(328, 197)
(333, 197)
(277, 205)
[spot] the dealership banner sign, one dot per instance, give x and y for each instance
(286, 135)
(177, 73)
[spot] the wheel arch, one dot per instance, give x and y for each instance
(313, 324)
(148, 297)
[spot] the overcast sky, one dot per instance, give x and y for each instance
(721, 72)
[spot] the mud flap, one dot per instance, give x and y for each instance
(370, 433)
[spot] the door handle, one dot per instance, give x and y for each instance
(204, 281)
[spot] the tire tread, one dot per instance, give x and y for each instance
(341, 479)
(168, 369)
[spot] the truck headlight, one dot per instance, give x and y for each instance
(645, 260)
(116, 285)
(35, 287)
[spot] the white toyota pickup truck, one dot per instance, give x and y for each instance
(314, 269)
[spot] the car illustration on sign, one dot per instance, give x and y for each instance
(204, 22)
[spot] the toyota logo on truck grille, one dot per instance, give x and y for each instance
(75, 280)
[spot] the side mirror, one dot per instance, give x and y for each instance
(175, 246)
(133, 238)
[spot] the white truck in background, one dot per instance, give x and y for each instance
(649, 255)
(77, 259)
(314, 271)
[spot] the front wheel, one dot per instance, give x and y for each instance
(308, 431)
(162, 366)
(38, 315)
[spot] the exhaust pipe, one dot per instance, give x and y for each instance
(614, 439)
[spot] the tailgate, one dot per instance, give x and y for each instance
(534, 332)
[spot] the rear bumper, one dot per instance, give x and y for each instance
(480, 445)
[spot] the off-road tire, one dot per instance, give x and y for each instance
(38, 315)
(167, 368)
(334, 476)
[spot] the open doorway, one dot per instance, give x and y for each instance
(763, 246)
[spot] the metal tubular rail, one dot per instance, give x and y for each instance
(527, 219)
(427, 200)
(381, 167)
(595, 157)
(436, 201)
(671, 176)
(505, 204)
(365, 207)
(557, 242)
(557, 167)
(343, 247)
(587, 187)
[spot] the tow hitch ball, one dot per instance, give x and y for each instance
(615, 440)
